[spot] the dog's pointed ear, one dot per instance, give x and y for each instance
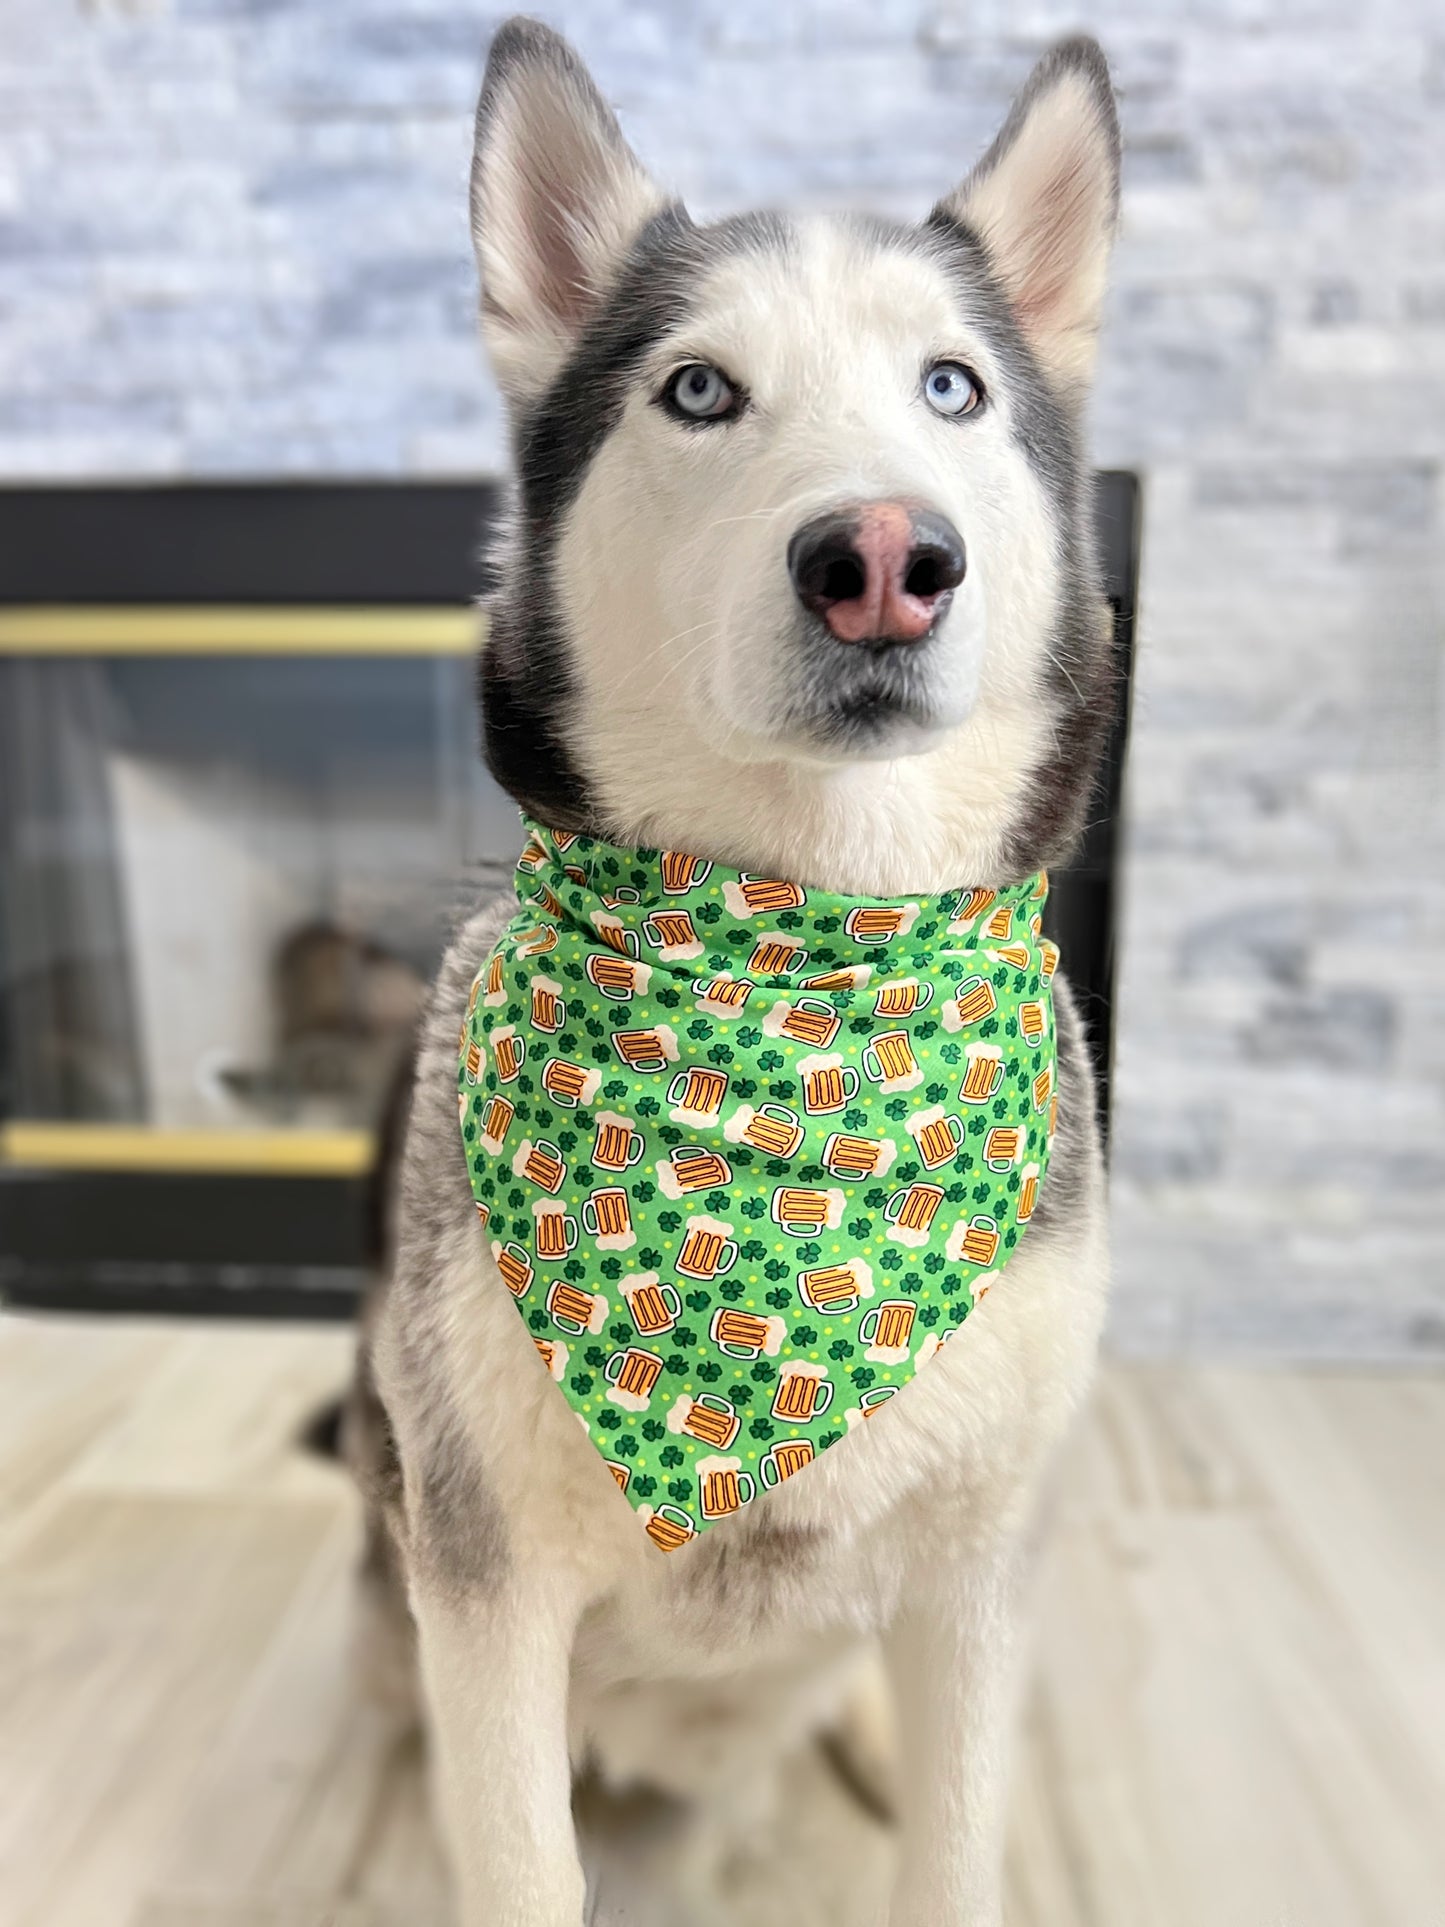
(1044, 201)
(557, 196)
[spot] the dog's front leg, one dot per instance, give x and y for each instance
(495, 1667)
(952, 1653)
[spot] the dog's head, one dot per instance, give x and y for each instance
(800, 570)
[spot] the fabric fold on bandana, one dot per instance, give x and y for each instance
(748, 1153)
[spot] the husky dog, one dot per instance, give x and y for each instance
(798, 579)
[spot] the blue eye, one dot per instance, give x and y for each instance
(950, 389)
(702, 393)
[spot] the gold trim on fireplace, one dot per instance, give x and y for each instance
(66, 1146)
(267, 629)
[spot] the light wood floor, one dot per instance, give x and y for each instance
(1237, 1717)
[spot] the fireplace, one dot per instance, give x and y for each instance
(240, 806)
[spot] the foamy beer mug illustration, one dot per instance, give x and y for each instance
(708, 1249)
(553, 1354)
(983, 1073)
(570, 1084)
(681, 873)
(972, 907)
(723, 996)
(616, 1146)
(775, 953)
(494, 978)
(541, 1164)
(692, 1167)
(938, 1135)
(646, 1050)
(887, 1330)
(1043, 1088)
(632, 1376)
(845, 977)
(622, 1473)
(1000, 924)
(515, 1265)
(879, 923)
(509, 1052)
(668, 1527)
(607, 1217)
(903, 997)
(751, 896)
(673, 933)
(803, 1210)
(484, 1212)
(723, 1487)
(808, 1021)
(537, 941)
(655, 1307)
(910, 1213)
(1033, 1021)
(804, 1392)
(846, 1156)
(616, 934)
(556, 1234)
(708, 1417)
(786, 1458)
(771, 1128)
(549, 1006)
(828, 1084)
(1028, 1193)
(1015, 955)
(1048, 957)
(697, 1094)
(742, 1334)
(533, 856)
(839, 1288)
(497, 1117)
(977, 1241)
(574, 1310)
(1004, 1146)
(970, 1004)
(618, 978)
(890, 1062)
(476, 1058)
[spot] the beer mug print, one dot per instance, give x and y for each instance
(607, 1218)
(856, 1158)
(937, 1134)
(693, 1168)
(786, 1458)
(804, 1392)
(887, 1331)
(672, 935)
(983, 1073)
(574, 1310)
(541, 1164)
(804, 1211)
(703, 1109)
(556, 1231)
(632, 1376)
(973, 1002)
(772, 1129)
(708, 1249)
(890, 1062)
(808, 1021)
(910, 1213)
(570, 1084)
(708, 1417)
(655, 1306)
(828, 1084)
(903, 997)
(697, 1095)
(549, 1006)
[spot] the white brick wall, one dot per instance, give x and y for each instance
(232, 240)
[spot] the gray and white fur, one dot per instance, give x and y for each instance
(654, 674)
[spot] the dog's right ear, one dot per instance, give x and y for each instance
(557, 198)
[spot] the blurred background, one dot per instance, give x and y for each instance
(247, 446)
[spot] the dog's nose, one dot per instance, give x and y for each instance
(877, 571)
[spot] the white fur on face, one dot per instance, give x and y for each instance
(672, 576)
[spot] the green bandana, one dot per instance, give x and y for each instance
(747, 1154)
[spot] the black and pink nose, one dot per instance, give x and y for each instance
(877, 571)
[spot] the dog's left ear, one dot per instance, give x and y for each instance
(557, 198)
(1044, 201)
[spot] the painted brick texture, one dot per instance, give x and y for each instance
(233, 241)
